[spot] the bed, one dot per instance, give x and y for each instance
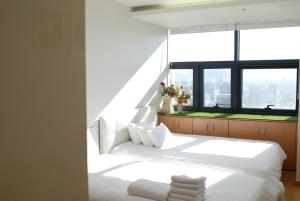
(251, 174)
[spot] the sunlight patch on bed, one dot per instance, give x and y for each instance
(163, 173)
(177, 141)
(229, 148)
(105, 162)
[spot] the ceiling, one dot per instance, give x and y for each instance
(191, 13)
(135, 3)
(139, 3)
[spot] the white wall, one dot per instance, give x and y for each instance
(125, 58)
(42, 101)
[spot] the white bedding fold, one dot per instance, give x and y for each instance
(149, 189)
(188, 192)
(187, 180)
(186, 186)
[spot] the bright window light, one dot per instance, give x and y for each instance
(262, 87)
(163, 171)
(217, 87)
(268, 44)
(232, 149)
(210, 46)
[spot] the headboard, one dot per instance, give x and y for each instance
(113, 127)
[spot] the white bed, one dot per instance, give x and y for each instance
(252, 156)
(236, 170)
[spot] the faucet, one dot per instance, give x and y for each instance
(269, 107)
(218, 105)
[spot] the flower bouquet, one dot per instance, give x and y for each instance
(182, 99)
(168, 91)
(171, 92)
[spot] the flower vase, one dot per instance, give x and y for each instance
(180, 108)
(167, 106)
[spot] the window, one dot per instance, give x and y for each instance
(267, 44)
(262, 87)
(182, 78)
(217, 87)
(211, 46)
(242, 72)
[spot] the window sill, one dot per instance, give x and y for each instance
(234, 116)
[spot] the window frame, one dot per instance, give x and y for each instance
(267, 64)
(236, 67)
(189, 65)
(215, 65)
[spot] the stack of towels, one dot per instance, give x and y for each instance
(149, 189)
(184, 188)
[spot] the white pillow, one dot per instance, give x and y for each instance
(133, 133)
(142, 133)
(159, 135)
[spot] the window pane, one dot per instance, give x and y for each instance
(262, 87)
(267, 44)
(217, 87)
(211, 46)
(183, 78)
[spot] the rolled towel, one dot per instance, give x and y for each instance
(188, 180)
(149, 189)
(188, 186)
(188, 192)
(186, 197)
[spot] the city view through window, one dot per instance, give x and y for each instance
(217, 88)
(238, 71)
(262, 87)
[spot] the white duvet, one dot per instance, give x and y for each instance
(236, 170)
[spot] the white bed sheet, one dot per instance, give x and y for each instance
(110, 175)
(251, 174)
(259, 158)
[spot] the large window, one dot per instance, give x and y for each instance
(212, 46)
(251, 71)
(266, 44)
(217, 88)
(263, 87)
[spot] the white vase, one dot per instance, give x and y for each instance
(167, 105)
(180, 108)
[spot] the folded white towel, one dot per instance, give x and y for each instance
(186, 197)
(188, 186)
(149, 189)
(174, 199)
(188, 180)
(188, 192)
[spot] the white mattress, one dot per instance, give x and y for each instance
(251, 174)
(251, 156)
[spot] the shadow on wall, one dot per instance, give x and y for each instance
(147, 110)
(138, 100)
